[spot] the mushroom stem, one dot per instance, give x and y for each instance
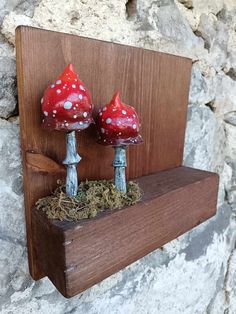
(71, 161)
(119, 164)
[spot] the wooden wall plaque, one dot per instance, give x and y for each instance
(156, 84)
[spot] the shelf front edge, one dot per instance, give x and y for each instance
(93, 250)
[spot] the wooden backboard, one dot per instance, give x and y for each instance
(156, 84)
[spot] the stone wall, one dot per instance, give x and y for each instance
(195, 273)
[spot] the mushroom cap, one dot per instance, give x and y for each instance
(66, 104)
(118, 124)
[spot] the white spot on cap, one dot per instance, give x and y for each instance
(58, 91)
(54, 111)
(119, 133)
(102, 130)
(73, 86)
(77, 105)
(75, 116)
(82, 87)
(45, 113)
(134, 126)
(58, 82)
(104, 109)
(100, 114)
(108, 120)
(81, 123)
(134, 115)
(67, 105)
(80, 96)
(66, 124)
(104, 140)
(63, 87)
(52, 86)
(53, 115)
(85, 114)
(123, 111)
(41, 100)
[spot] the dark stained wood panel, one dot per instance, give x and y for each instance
(156, 84)
(77, 255)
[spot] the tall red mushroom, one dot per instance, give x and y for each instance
(66, 106)
(118, 125)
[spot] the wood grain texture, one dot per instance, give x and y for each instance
(43, 164)
(76, 256)
(156, 84)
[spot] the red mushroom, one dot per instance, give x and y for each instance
(66, 105)
(118, 125)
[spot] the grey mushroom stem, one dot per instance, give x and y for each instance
(119, 164)
(71, 161)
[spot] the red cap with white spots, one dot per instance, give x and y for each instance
(66, 104)
(118, 124)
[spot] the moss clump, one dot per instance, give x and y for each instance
(93, 197)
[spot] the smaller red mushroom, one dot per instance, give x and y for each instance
(118, 125)
(66, 105)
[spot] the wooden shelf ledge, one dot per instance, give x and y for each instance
(77, 255)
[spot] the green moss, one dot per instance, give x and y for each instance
(93, 197)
